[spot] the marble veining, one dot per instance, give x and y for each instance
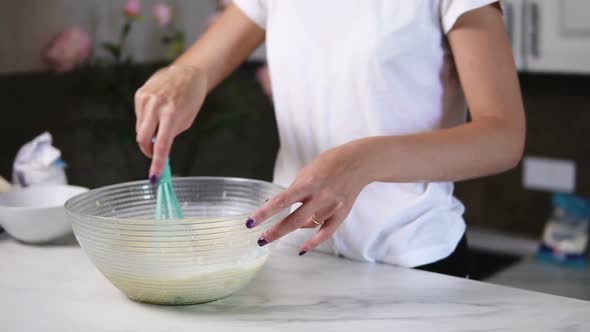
(58, 289)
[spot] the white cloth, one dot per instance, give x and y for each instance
(347, 69)
(38, 163)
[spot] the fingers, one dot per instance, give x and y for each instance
(320, 216)
(289, 224)
(328, 212)
(140, 102)
(311, 224)
(326, 230)
(153, 116)
(163, 144)
(139, 108)
(167, 104)
(276, 204)
(146, 129)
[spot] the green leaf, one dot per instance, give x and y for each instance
(174, 50)
(113, 49)
(179, 35)
(174, 39)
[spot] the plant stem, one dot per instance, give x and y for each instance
(123, 37)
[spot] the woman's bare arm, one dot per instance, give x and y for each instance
(492, 142)
(168, 103)
(224, 46)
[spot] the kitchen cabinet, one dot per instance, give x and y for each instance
(549, 35)
(557, 35)
(513, 13)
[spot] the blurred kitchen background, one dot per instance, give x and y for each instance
(88, 110)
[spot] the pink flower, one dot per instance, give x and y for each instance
(132, 8)
(162, 13)
(69, 49)
(263, 77)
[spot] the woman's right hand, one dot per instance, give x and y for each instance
(165, 106)
(169, 101)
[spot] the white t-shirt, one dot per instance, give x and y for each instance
(346, 69)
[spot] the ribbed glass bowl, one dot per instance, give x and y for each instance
(208, 255)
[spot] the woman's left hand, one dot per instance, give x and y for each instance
(327, 188)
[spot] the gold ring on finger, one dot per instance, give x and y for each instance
(315, 221)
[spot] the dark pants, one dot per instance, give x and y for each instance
(456, 264)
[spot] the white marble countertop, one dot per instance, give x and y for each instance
(545, 278)
(528, 273)
(57, 289)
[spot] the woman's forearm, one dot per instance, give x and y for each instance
(493, 142)
(169, 101)
(224, 46)
(472, 150)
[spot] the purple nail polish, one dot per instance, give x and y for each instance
(301, 253)
(262, 242)
(250, 223)
(153, 179)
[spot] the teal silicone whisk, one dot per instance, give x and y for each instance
(167, 206)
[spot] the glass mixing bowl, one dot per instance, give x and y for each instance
(208, 255)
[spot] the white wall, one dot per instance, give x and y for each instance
(27, 26)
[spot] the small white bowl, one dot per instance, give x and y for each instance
(37, 214)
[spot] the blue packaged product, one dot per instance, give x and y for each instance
(565, 238)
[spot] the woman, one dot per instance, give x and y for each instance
(370, 100)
